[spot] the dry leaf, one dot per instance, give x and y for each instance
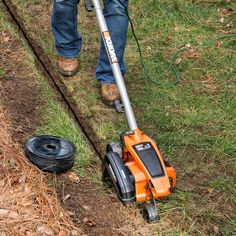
(6, 39)
(87, 208)
(210, 190)
(222, 20)
(169, 38)
(212, 88)
(22, 179)
(5, 213)
(27, 203)
(193, 54)
(13, 214)
(38, 200)
(70, 213)
(2, 183)
(88, 220)
(178, 60)
(3, 170)
(62, 233)
(188, 45)
(67, 196)
(223, 31)
(74, 233)
(218, 44)
(12, 163)
(29, 233)
(225, 11)
(216, 229)
(208, 77)
(73, 177)
(43, 229)
(177, 29)
(208, 21)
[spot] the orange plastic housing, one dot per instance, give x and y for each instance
(160, 186)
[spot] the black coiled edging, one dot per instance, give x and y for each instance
(51, 153)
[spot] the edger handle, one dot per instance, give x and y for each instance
(115, 65)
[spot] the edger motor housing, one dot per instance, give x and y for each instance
(138, 171)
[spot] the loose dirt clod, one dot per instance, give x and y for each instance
(73, 177)
(89, 221)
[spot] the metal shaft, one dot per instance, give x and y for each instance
(115, 66)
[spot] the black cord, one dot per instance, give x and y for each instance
(138, 44)
(174, 55)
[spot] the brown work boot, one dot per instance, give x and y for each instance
(67, 66)
(110, 94)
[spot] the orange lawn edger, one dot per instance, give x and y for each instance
(135, 166)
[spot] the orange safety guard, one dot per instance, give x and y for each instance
(160, 186)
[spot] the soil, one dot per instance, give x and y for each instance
(19, 91)
(91, 209)
(99, 212)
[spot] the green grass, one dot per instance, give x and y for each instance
(56, 121)
(194, 121)
(2, 73)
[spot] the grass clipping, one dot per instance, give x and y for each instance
(27, 205)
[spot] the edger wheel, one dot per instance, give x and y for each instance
(150, 213)
(114, 147)
(117, 172)
(51, 153)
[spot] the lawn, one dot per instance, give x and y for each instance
(187, 101)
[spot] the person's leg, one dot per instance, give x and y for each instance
(68, 41)
(117, 22)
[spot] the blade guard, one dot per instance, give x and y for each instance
(144, 160)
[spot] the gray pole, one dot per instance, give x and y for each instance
(115, 66)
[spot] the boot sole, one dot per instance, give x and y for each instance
(68, 73)
(110, 103)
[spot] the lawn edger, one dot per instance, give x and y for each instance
(135, 166)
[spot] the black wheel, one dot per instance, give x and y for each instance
(150, 213)
(50, 153)
(114, 147)
(116, 171)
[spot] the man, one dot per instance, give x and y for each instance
(68, 42)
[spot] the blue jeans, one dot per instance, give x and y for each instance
(68, 40)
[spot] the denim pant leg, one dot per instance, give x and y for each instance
(117, 23)
(68, 41)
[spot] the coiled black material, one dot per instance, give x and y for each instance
(51, 153)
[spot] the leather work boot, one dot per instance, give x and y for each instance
(109, 93)
(68, 66)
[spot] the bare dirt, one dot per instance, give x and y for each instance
(99, 212)
(19, 91)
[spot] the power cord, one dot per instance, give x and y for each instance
(174, 55)
(138, 45)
